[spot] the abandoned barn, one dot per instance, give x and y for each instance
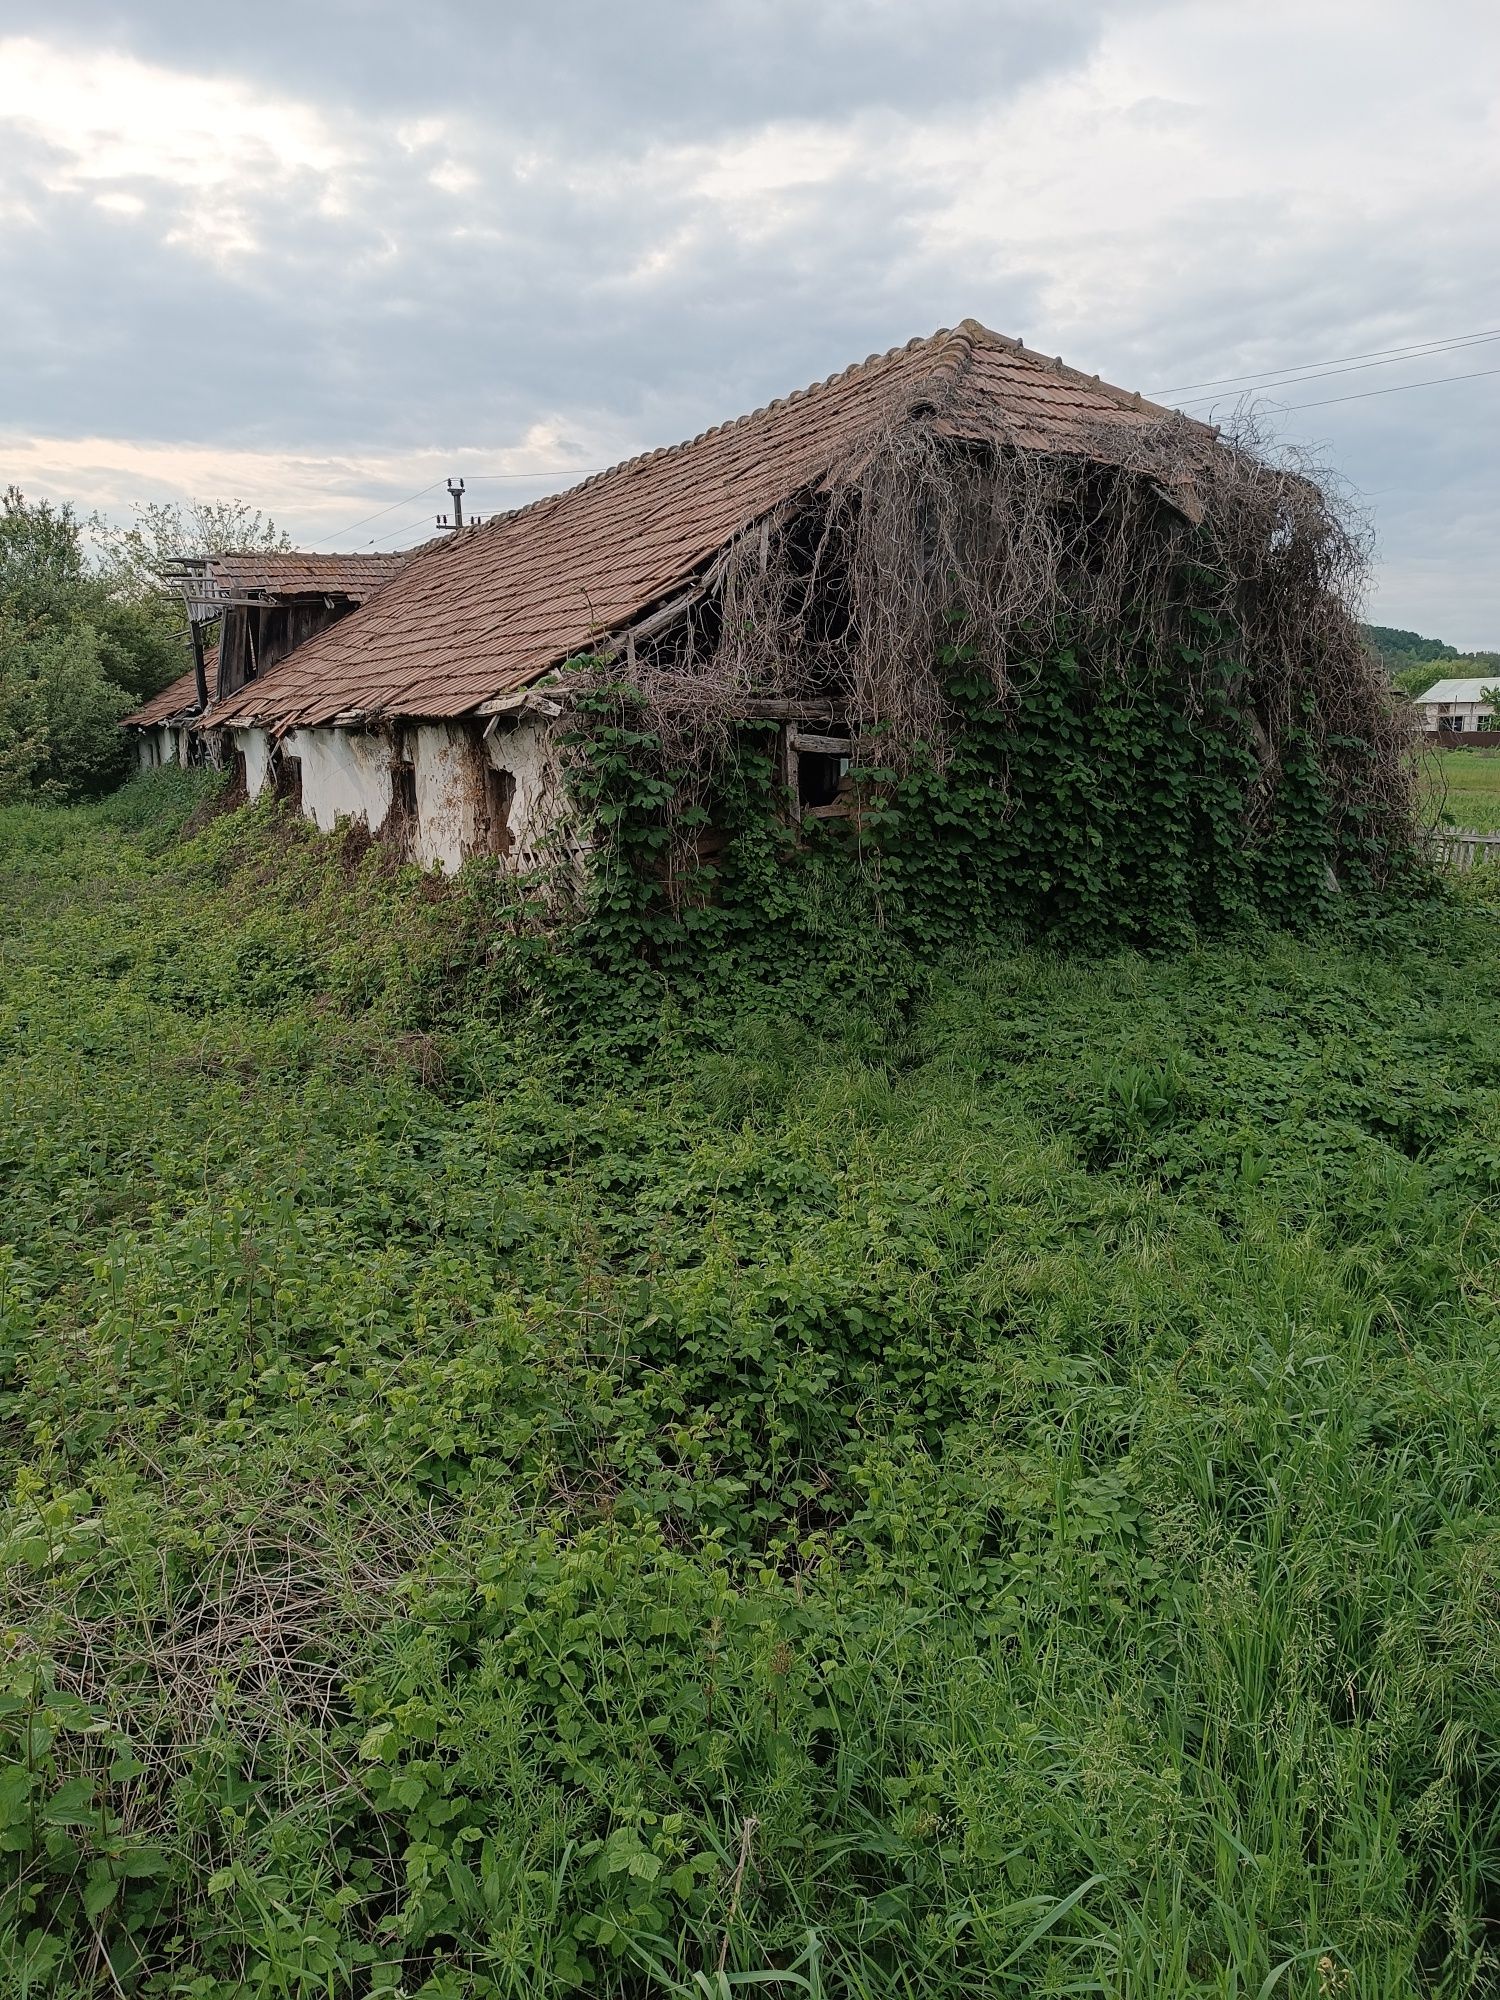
(809, 568)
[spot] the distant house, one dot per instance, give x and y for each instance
(1457, 708)
(261, 606)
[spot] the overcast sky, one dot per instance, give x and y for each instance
(318, 254)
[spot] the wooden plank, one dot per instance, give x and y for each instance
(781, 708)
(200, 665)
(648, 627)
(525, 704)
(822, 746)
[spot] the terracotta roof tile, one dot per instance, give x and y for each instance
(295, 573)
(489, 610)
(179, 701)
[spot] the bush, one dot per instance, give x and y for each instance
(73, 659)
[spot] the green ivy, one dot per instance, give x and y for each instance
(1077, 809)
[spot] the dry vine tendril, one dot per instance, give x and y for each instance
(930, 591)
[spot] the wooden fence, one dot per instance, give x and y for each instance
(1460, 847)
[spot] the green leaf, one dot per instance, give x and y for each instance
(99, 1891)
(72, 1804)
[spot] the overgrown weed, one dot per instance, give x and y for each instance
(1029, 1448)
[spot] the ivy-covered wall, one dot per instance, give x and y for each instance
(1074, 809)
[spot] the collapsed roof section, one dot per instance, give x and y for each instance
(211, 584)
(476, 618)
(266, 603)
(179, 702)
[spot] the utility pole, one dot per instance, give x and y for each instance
(454, 525)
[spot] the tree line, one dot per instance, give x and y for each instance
(88, 632)
(1416, 663)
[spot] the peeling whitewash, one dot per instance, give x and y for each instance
(455, 790)
(529, 753)
(445, 760)
(163, 743)
(254, 745)
(346, 774)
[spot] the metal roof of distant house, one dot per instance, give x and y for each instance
(488, 611)
(1460, 690)
(179, 702)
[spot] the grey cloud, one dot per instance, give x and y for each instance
(515, 301)
(596, 70)
(606, 292)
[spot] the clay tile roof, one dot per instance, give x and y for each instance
(486, 612)
(179, 701)
(282, 573)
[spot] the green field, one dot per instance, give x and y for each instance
(1465, 788)
(999, 1495)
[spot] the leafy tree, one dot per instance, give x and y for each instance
(58, 705)
(86, 636)
(1399, 649)
(131, 560)
(58, 711)
(1416, 680)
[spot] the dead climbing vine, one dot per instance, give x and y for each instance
(1151, 542)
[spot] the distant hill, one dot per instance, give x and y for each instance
(1398, 649)
(1414, 663)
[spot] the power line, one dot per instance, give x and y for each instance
(416, 526)
(1358, 368)
(1396, 389)
(1332, 361)
(404, 528)
(421, 490)
(546, 472)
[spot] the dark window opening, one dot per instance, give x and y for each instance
(818, 778)
(495, 836)
(404, 794)
(286, 780)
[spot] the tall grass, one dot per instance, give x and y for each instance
(1465, 787)
(999, 1497)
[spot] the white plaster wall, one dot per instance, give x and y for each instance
(529, 753)
(443, 759)
(255, 746)
(346, 774)
(1455, 714)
